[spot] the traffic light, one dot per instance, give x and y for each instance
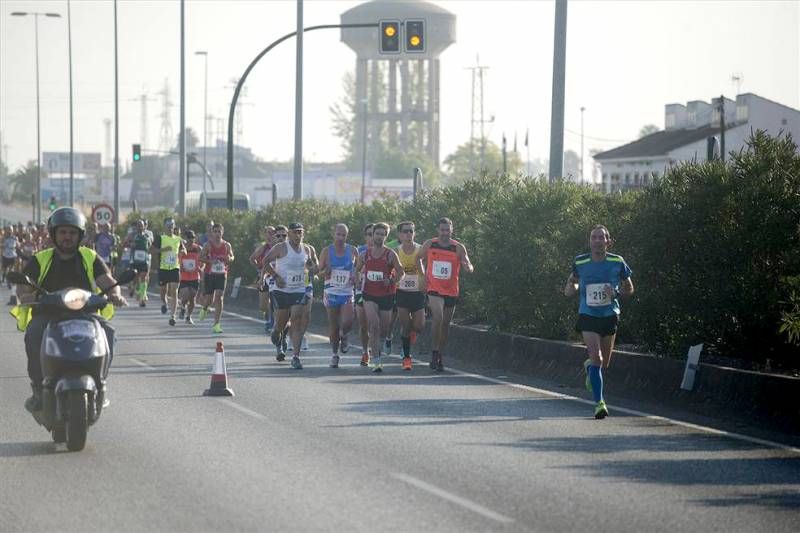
(390, 37)
(415, 36)
(137, 152)
(53, 204)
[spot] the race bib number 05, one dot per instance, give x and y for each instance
(374, 275)
(598, 294)
(442, 270)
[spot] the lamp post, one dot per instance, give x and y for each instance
(582, 110)
(204, 53)
(38, 134)
(71, 137)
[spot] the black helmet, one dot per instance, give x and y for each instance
(66, 216)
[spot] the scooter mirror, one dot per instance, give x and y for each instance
(18, 278)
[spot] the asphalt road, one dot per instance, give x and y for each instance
(347, 450)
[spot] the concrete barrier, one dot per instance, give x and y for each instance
(770, 399)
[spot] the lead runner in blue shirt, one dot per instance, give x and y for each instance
(600, 278)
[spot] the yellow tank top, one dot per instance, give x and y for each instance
(409, 261)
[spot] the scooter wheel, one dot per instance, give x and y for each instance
(77, 421)
(59, 435)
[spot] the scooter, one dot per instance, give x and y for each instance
(75, 356)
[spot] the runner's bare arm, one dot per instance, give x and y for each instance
(230, 257)
(323, 263)
(571, 288)
(256, 254)
(626, 287)
(394, 260)
(465, 262)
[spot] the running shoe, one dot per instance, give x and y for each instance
(285, 342)
(334, 361)
(601, 411)
(182, 314)
(216, 328)
(406, 363)
(387, 346)
(203, 314)
(163, 309)
(275, 337)
(434, 364)
(376, 363)
(172, 320)
(280, 356)
(142, 304)
(189, 321)
(588, 382)
(439, 364)
(365, 359)
(344, 345)
(304, 344)
(296, 364)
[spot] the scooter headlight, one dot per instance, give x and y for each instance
(75, 299)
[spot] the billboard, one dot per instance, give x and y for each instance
(83, 162)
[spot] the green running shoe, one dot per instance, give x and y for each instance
(216, 328)
(601, 411)
(203, 313)
(586, 365)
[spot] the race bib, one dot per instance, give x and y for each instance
(409, 283)
(295, 279)
(218, 267)
(140, 256)
(340, 279)
(170, 259)
(189, 265)
(598, 294)
(442, 270)
(374, 275)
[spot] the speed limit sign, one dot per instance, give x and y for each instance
(103, 214)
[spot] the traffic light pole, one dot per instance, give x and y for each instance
(240, 84)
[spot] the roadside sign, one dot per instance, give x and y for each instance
(103, 214)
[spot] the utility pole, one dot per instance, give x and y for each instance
(582, 110)
(298, 107)
(71, 136)
(116, 120)
(182, 137)
(559, 75)
(722, 128)
(477, 102)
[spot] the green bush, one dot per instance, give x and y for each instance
(714, 247)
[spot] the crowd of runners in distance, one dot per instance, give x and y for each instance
(381, 284)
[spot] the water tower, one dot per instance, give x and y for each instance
(398, 95)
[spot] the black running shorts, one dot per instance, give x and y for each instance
(603, 326)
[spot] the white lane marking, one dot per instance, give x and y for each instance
(245, 410)
(142, 364)
(458, 500)
(634, 412)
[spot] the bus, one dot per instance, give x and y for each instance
(203, 201)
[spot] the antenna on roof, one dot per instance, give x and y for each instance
(737, 78)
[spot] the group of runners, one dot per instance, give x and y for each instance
(380, 284)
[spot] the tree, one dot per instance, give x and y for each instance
(393, 163)
(23, 182)
(572, 165)
(191, 141)
(344, 113)
(464, 163)
(648, 129)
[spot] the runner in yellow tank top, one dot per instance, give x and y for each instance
(410, 296)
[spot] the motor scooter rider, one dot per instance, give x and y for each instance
(65, 265)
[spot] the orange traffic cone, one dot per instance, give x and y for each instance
(219, 376)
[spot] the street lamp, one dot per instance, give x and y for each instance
(38, 135)
(582, 109)
(204, 53)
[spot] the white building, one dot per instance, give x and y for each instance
(689, 131)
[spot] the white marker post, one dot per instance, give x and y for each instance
(237, 282)
(692, 359)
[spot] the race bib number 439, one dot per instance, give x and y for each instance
(598, 294)
(442, 269)
(295, 279)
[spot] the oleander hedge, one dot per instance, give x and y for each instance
(714, 248)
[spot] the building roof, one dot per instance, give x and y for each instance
(660, 143)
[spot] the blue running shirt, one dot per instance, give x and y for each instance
(593, 276)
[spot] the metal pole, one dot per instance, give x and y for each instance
(557, 110)
(205, 118)
(582, 110)
(722, 128)
(116, 121)
(364, 151)
(182, 135)
(71, 137)
(298, 107)
(38, 134)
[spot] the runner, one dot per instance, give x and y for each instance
(336, 266)
(281, 233)
(10, 248)
(600, 278)
(379, 270)
(363, 327)
(387, 343)
(140, 243)
(217, 256)
(190, 264)
(410, 296)
(443, 257)
(257, 260)
(168, 245)
(104, 244)
(294, 262)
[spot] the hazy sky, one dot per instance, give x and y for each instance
(625, 60)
